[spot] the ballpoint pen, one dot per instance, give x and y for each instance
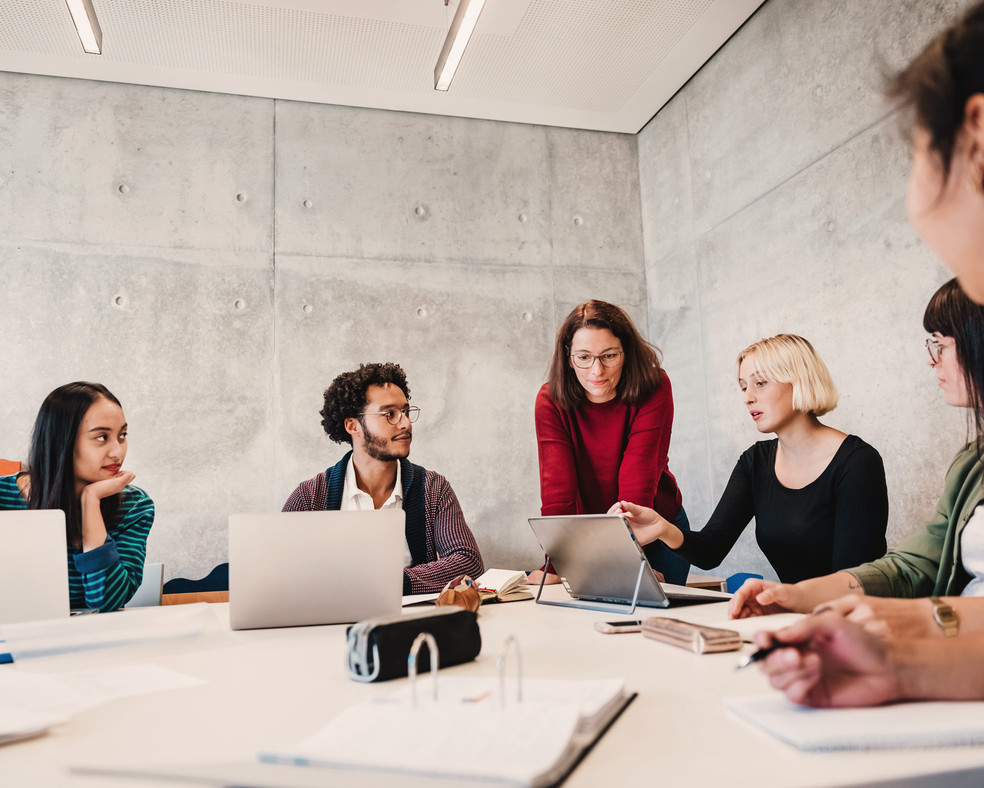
(759, 655)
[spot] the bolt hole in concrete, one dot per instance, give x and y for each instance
(422, 311)
(522, 217)
(527, 317)
(124, 188)
(307, 203)
(241, 197)
(578, 221)
(119, 301)
(240, 304)
(308, 309)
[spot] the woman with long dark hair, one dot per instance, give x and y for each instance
(76, 465)
(603, 422)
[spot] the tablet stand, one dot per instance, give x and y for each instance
(620, 609)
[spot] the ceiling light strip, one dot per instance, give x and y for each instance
(462, 27)
(86, 24)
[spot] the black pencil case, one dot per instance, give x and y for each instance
(377, 648)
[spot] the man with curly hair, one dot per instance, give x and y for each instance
(370, 410)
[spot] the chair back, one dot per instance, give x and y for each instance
(8, 467)
(736, 580)
(214, 587)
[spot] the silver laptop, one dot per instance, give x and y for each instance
(33, 565)
(299, 568)
(599, 560)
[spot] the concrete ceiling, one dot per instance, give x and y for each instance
(607, 65)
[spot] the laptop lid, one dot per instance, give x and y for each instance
(599, 559)
(292, 569)
(33, 565)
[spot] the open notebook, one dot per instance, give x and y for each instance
(532, 742)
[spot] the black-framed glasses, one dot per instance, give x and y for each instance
(393, 415)
(610, 358)
(935, 349)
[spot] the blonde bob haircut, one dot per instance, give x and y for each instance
(787, 358)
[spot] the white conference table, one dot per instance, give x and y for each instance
(276, 687)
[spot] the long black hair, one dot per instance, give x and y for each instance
(951, 313)
(51, 463)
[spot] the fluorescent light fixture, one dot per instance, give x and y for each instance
(462, 27)
(87, 26)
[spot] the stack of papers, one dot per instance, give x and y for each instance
(893, 726)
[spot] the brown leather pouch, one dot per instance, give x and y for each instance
(462, 592)
(693, 637)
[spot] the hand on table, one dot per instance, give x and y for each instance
(758, 597)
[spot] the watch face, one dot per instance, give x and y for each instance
(945, 616)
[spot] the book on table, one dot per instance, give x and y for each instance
(503, 585)
(561, 720)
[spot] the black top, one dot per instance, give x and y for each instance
(836, 522)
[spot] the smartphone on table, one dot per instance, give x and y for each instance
(617, 627)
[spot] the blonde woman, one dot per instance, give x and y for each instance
(818, 495)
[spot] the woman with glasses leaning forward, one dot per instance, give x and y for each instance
(603, 423)
(818, 496)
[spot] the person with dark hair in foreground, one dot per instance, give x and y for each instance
(76, 465)
(931, 650)
(369, 409)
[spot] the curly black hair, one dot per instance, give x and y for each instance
(345, 398)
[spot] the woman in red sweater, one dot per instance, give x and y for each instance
(603, 423)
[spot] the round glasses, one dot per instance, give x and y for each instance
(393, 415)
(610, 358)
(935, 349)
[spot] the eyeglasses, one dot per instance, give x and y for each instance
(612, 358)
(393, 415)
(935, 349)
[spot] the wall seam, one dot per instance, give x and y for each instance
(275, 285)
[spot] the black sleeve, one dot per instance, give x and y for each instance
(708, 547)
(860, 509)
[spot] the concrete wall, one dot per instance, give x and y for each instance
(773, 193)
(217, 260)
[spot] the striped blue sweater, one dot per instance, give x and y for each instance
(107, 577)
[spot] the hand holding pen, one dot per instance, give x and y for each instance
(825, 660)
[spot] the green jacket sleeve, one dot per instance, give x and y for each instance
(929, 555)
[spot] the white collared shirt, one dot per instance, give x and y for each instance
(356, 500)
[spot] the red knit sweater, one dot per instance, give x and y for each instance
(600, 453)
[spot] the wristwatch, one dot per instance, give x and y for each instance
(945, 616)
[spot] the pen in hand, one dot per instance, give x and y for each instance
(759, 655)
